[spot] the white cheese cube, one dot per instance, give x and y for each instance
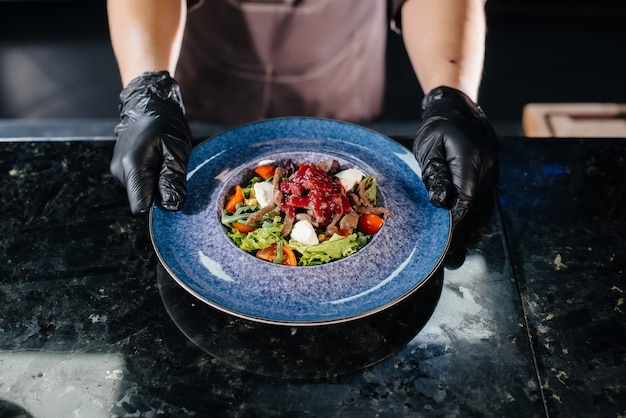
(349, 178)
(302, 231)
(264, 193)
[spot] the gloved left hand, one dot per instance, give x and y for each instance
(153, 143)
(457, 149)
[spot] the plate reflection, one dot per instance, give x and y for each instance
(299, 352)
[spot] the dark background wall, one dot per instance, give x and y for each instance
(56, 60)
(553, 51)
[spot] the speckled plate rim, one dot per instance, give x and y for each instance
(210, 279)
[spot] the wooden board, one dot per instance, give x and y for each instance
(575, 120)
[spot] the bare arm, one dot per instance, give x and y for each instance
(146, 35)
(445, 41)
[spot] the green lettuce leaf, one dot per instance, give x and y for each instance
(371, 189)
(335, 248)
(239, 215)
(262, 237)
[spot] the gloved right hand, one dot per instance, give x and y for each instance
(153, 143)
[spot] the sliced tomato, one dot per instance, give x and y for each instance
(370, 224)
(343, 232)
(243, 228)
(236, 198)
(269, 254)
(265, 171)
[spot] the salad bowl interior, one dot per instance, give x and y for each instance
(193, 247)
(246, 173)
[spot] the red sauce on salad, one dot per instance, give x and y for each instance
(312, 188)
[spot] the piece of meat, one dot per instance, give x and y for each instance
(354, 199)
(334, 168)
(349, 221)
(256, 216)
(376, 210)
(362, 197)
(307, 217)
(278, 195)
(331, 228)
(278, 176)
(287, 225)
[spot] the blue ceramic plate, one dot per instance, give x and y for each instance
(193, 247)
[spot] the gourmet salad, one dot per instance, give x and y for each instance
(303, 214)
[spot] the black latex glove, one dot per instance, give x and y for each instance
(153, 143)
(457, 149)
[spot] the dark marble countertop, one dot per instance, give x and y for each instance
(525, 319)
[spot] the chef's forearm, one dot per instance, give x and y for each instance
(445, 41)
(146, 35)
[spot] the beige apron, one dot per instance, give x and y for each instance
(248, 60)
